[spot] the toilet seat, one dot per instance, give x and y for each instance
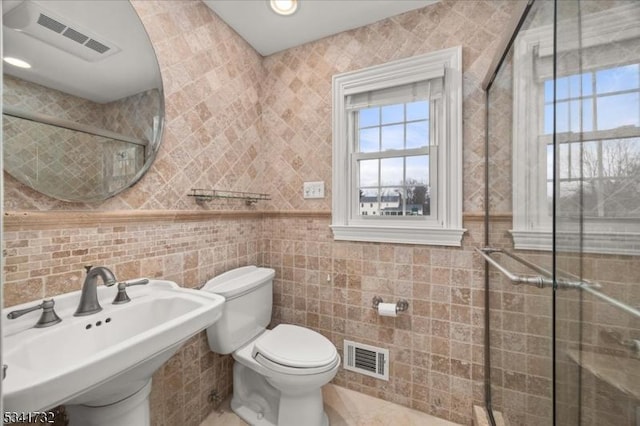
(290, 349)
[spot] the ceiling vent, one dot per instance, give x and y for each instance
(34, 20)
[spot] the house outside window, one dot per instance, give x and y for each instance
(398, 151)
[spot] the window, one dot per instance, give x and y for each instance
(597, 124)
(397, 163)
(391, 152)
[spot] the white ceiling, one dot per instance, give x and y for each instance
(268, 32)
(133, 69)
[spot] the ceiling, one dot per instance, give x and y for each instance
(269, 33)
(132, 69)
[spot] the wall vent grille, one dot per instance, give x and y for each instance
(369, 360)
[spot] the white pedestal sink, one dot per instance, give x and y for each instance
(101, 365)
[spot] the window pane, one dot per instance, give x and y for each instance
(393, 114)
(369, 117)
(622, 194)
(418, 200)
(587, 84)
(368, 172)
(549, 162)
(391, 201)
(368, 205)
(562, 88)
(563, 161)
(568, 198)
(621, 158)
(575, 154)
(614, 190)
(548, 119)
(393, 137)
(562, 117)
(417, 186)
(617, 79)
(587, 115)
(590, 161)
(417, 134)
(618, 110)
(574, 112)
(548, 91)
(391, 171)
(369, 140)
(574, 86)
(417, 170)
(418, 111)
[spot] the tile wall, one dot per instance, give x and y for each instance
(241, 122)
(212, 135)
(436, 348)
(47, 262)
(297, 91)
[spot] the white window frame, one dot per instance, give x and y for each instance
(445, 229)
(532, 225)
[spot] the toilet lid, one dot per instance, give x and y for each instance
(293, 346)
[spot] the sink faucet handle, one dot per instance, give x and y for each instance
(48, 317)
(88, 268)
(122, 296)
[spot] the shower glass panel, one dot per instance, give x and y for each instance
(521, 316)
(563, 217)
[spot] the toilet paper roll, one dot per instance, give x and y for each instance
(387, 310)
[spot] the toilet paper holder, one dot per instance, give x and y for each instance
(401, 305)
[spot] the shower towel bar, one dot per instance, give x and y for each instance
(69, 124)
(537, 281)
(542, 282)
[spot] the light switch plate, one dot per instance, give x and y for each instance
(313, 189)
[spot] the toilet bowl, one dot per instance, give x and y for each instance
(278, 373)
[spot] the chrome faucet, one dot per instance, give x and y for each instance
(89, 297)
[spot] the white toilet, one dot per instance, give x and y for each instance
(278, 374)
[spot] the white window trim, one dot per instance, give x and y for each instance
(531, 225)
(448, 231)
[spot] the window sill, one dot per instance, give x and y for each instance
(625, 243)
(400, 235)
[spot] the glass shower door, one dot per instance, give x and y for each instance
(563, 218)
(596, 192)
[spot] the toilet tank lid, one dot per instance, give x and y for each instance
(239, 281)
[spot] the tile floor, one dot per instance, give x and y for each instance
(347, 408)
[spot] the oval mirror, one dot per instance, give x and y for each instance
(83, 107)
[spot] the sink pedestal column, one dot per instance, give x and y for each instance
(132, 410)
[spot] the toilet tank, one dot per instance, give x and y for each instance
(247, 310)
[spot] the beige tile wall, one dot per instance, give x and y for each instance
(436, 348)
(237, 121)
(48, 262)
(212, 136)
(211, 139)
(297, 91)
(437, 358)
